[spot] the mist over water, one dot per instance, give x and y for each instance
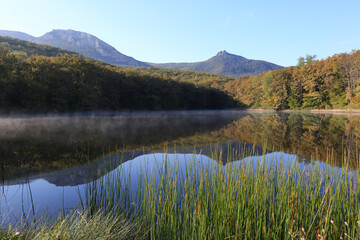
(126, 127)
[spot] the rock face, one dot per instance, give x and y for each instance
(226, 64)
(80, 42)
(88, 45)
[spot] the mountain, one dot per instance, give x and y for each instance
(226, 64)
(88, 45)
(80, 42)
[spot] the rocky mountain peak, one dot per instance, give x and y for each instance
(87, 45)
(222, 53)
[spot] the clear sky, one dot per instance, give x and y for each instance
(195, 30)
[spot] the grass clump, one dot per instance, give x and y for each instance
(76, 225)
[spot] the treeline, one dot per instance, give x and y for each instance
(330, 83)
(73, 83)
(198, 78)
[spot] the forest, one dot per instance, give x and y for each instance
(68, 83)
(24, 49)
(324, 84)
(40, 78)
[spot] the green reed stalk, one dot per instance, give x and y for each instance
(259, 197)
(253, 201)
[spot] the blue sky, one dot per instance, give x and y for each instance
(195, 30)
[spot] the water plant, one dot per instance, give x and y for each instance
(274, 196)
(192, 196)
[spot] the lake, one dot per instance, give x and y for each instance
(48, 162)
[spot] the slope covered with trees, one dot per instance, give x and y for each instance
(66, 83)
(198, 78)
(81, 43)
(24, 49)
(330, 83)
(42, 78)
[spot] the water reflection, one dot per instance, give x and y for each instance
(40, 196)
(324, 137)
(62, 191)
(91, 171)
(33, 145)
(54, 157)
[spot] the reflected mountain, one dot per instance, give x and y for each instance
(42, 144)
(94, 170)
(224, 152)
(39, 147)
(54, 195)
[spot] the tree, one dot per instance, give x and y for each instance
(350, 65)
(301, 62)
(309, 59)
(280, 88)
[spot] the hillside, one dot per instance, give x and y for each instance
(73, 83)
(225, 64)
(82, 43)
(45, 78)
(198, 78)
(24, 49)
(328, 83)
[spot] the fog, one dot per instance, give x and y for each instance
(126, 128)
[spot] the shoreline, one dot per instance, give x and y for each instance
(172, 112)
(315, 111)
(327, 111)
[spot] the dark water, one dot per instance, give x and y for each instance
(47, 161)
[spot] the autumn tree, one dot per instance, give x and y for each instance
(350, 65)
(280, 88)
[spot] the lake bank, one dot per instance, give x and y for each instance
(150, 113)
(323, 111)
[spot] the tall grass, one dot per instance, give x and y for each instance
(190, 196)
(261, 197)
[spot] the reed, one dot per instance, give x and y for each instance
(189, 196)
(260, 197)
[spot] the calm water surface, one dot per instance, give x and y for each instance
(47, 162)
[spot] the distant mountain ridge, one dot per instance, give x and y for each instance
(18, 35)
(80, 42)
(222, 63)
(226, 64)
